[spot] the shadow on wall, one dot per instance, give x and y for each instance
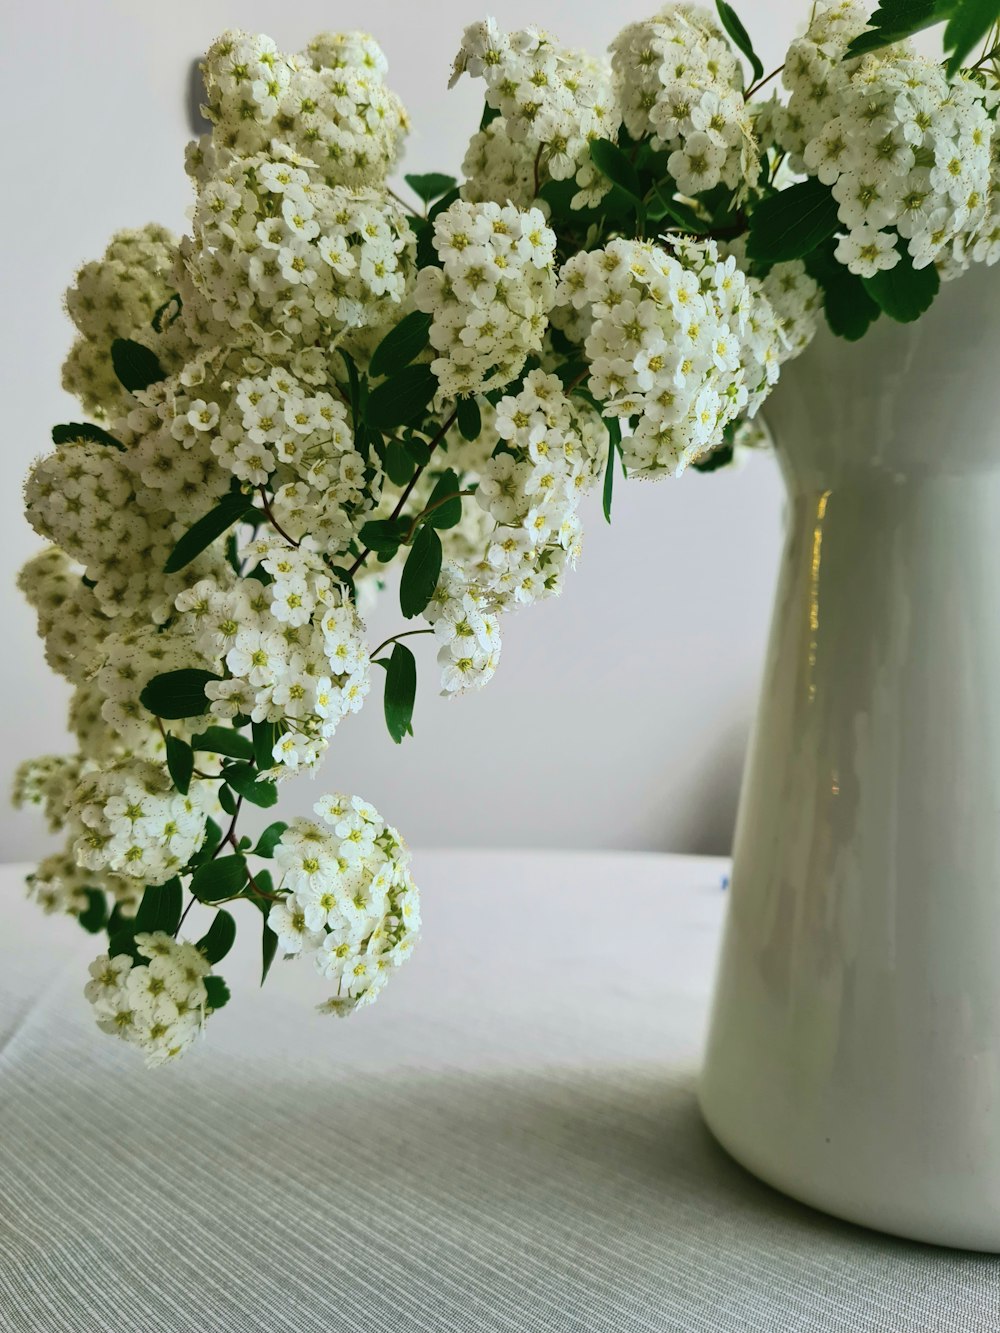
(708, 828)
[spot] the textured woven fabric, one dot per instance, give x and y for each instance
(507, 1141)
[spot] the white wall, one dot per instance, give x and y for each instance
(618, 717)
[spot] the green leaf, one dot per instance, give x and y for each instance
(447, 514)
(160, 908)
(230, 509)
(227, 799)
(614, 446)
(265, 735)
(400, 692)
(893, 20)
(680, 213)
(213, 836)
(398, 463)
(470, 420)
(790, 224)
(135, 365)
(420, 573)
(225, 877)
(430, 186)
(969, 23)
(219, 938)
(402, 398)
(419, 450)
(384, 535)
(217, 993)
(221, 740)
(609, 159)
(268, 948)
(401, 344)
(720, 457)
(243, 779)
(269, 839)
(160, 321)
(180, 763)
(849, 309)
(123, 941)
(94, 916)
(73, 431)
(489, 115)
(904, 292)
(176, 694)
(739, 36)
(355, 382)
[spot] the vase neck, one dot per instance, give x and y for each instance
(907, 402)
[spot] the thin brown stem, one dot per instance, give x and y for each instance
(394, 638)
(261, 893)
(228, 835)
(408, 489)
(269, 515)
(455, 495)
(184, 914)
(756, 87)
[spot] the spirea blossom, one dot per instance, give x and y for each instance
(553, 101)
(115, 297)
(279, 260)
(671, 342)
(289, 651)
(680, 83)
(351, 902)
(330, 105)
(158, 1004)
(906, 151)
(135, 823)
(491, 296)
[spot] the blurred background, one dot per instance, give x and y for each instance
(619, 715)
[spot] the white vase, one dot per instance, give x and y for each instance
(853, 1059)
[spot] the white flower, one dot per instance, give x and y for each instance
(866, 251)
(159, 1005)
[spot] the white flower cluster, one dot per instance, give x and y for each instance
(135, 823)
(553, 451)
(329, 104)
(497, 168)
(160, 1005)
(552, 101)
(58, 884)
(516, 544)
(282, 394)
(680, 83)
(675, 341)
(350, 900)
(46, 782)
(279, 260)
(491, 297)
(82, 497)
(291, 433)
(292, 649)
(115, 297)
(904, 150)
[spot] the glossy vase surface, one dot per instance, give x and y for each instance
(853, 1058)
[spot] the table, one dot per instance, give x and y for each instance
(508, 1140)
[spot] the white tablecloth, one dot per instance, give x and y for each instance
(508, 1140)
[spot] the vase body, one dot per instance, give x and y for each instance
(853, 1058)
